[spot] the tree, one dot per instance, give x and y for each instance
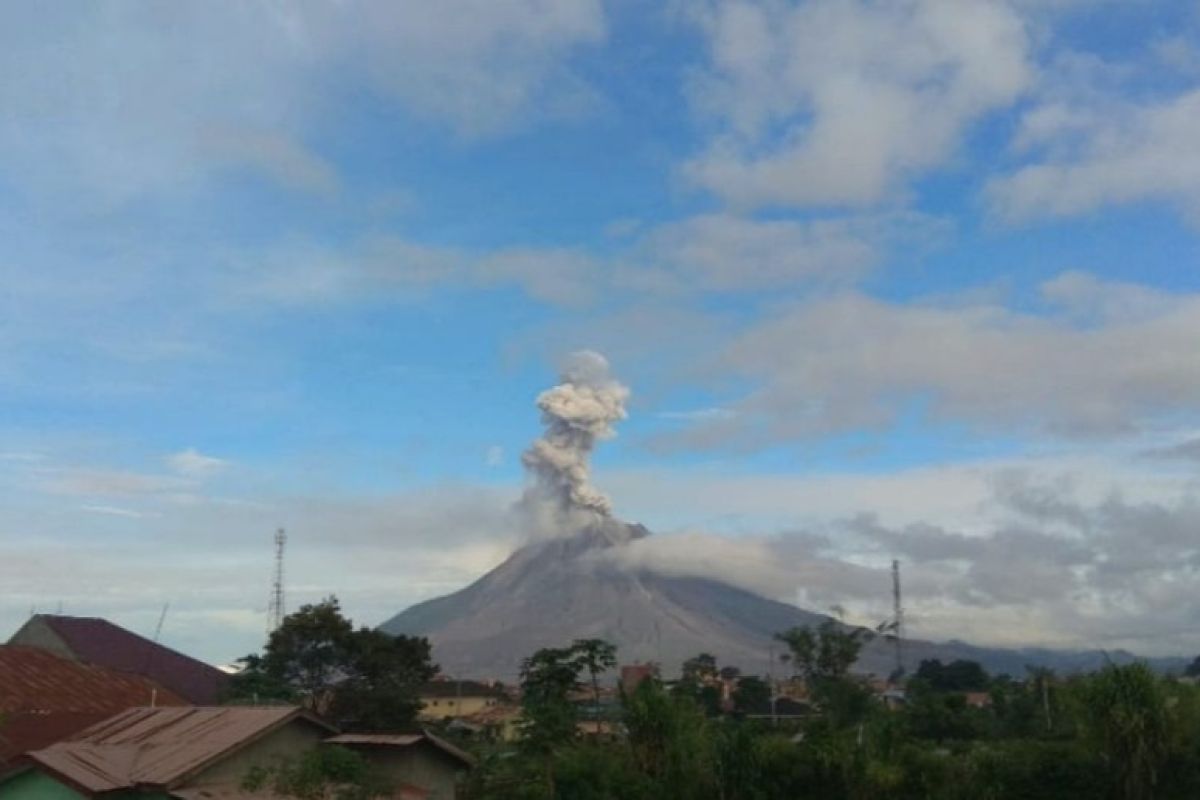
(1127, 718)
(671, 742)
(823, 658)
(380, 689)
(958, 676)
(548, 678)
(827, 653)
(701, 668)
(595, 656)
(363, 678)
(751, 695)
(1193, 669)
(323, 772)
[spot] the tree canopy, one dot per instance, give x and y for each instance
(362, 679)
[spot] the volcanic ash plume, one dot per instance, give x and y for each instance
(577, 412)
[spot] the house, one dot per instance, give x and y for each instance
(411, 762)
(166, 754)
(91, 640)
(451, 699)
(45, 698)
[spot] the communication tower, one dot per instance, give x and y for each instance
(275, 608)
(897, 617)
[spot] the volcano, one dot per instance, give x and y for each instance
(570, 581)
(548, 593)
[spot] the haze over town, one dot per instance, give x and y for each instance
(281, 265)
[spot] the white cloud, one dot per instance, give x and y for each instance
(116, 101)
(1049, 552)
(829, 103)
(1088, 154)
(854, 362)
(194, 464)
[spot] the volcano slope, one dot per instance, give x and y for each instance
(548, 593)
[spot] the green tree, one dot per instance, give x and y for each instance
(1193, 669)
(363, 679)
(323, 773)
(595, 656)
(823, 657)
(958, 676)
(671, 743)
(701, 668)
(751, 695)
(1127, 719)
(828, 652)
(380, 687)
(548, 679)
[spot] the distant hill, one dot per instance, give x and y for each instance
(551, 592)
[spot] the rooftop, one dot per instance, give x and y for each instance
(98, 641)
(45, 698)
(159, 746)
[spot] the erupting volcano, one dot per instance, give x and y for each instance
(569, 582)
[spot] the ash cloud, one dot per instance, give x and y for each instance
(577, 413)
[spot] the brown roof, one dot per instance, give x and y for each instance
(98, 641)
(159, 746)
(45, 698)
(401, 740)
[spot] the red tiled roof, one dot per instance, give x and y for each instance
(98, 641)
(44, 697)
(159, 746)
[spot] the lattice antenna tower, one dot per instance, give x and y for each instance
(275, 609)
(897, 617)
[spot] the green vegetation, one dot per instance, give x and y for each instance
(1123, 733)
(361, 679)
(326, 773)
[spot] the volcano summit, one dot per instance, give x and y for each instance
(569, 581)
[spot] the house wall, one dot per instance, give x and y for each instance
(36, 633)
(421, 765)
(441, 707)
(36, 785)
(290, 741)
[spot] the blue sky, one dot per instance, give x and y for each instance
(929, 264)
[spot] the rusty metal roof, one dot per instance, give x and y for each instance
(160, 747)
(99, 641)
(45, 698)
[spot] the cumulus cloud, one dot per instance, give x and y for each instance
(1043, 564)
(853, 361)
(829, 103)
(1084, 155)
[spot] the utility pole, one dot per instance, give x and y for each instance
(898, 617)
(275, 609)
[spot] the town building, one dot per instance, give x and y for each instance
(161, 753)
(45, 697)
(453, 699)
(411, 762)
(92, 640)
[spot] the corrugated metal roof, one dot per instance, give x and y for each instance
(98, 641)
(44, 697)
(37, 680)
(159, 746)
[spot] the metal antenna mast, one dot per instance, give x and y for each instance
(898, 617)
(275, 610)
